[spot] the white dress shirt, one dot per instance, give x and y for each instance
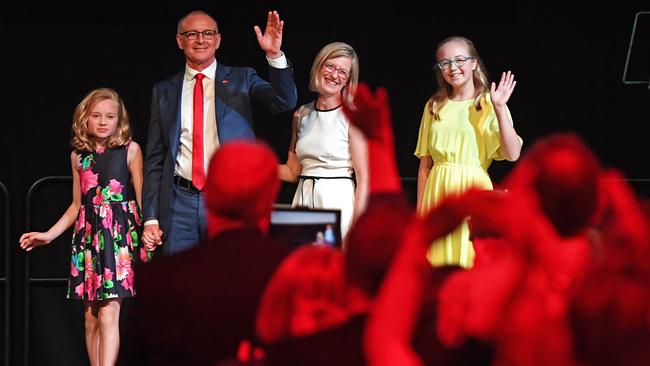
(210, 136)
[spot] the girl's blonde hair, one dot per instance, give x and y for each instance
(479, 75)
(82, 140)
(335, 50)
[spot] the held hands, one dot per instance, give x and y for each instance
(501, 93)
(271, 40)
(371, 113)
(152, 237)
(29, 241)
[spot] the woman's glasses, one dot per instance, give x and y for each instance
(331, 69)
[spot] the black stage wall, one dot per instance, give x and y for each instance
(568, 60)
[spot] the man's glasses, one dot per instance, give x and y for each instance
(193, 35)
(331, 69)
(459, 61)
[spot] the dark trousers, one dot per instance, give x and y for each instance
(188, 221)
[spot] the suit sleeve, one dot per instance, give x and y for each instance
(153, 164)
(279, 95)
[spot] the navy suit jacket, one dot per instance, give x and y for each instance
(236, 89)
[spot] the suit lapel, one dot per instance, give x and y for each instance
(174, 94)
(221, 85)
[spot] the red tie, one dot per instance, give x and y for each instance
(198, 175)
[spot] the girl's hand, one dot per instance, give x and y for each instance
(150, 246)
(29, 241)
(151, 237)
(501, 93)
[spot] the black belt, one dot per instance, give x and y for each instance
(314, 179)
(185, 184)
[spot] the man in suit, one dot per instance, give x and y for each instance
(195, 307)
(192, 114)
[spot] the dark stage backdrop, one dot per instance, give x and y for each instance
(568, 61)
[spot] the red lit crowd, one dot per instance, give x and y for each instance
(560, 275)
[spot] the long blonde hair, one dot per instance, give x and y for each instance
(82, 140)
(335, 50)
(479, 75)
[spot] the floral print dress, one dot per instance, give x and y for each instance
(106, 239)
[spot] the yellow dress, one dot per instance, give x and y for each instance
(462, 144)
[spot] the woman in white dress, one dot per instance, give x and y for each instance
(327, 156)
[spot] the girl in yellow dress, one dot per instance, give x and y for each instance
(465, 125)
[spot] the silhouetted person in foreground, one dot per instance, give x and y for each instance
(195, 307)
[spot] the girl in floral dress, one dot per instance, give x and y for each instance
(107, 223)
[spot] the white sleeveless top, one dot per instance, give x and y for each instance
(323, 145)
